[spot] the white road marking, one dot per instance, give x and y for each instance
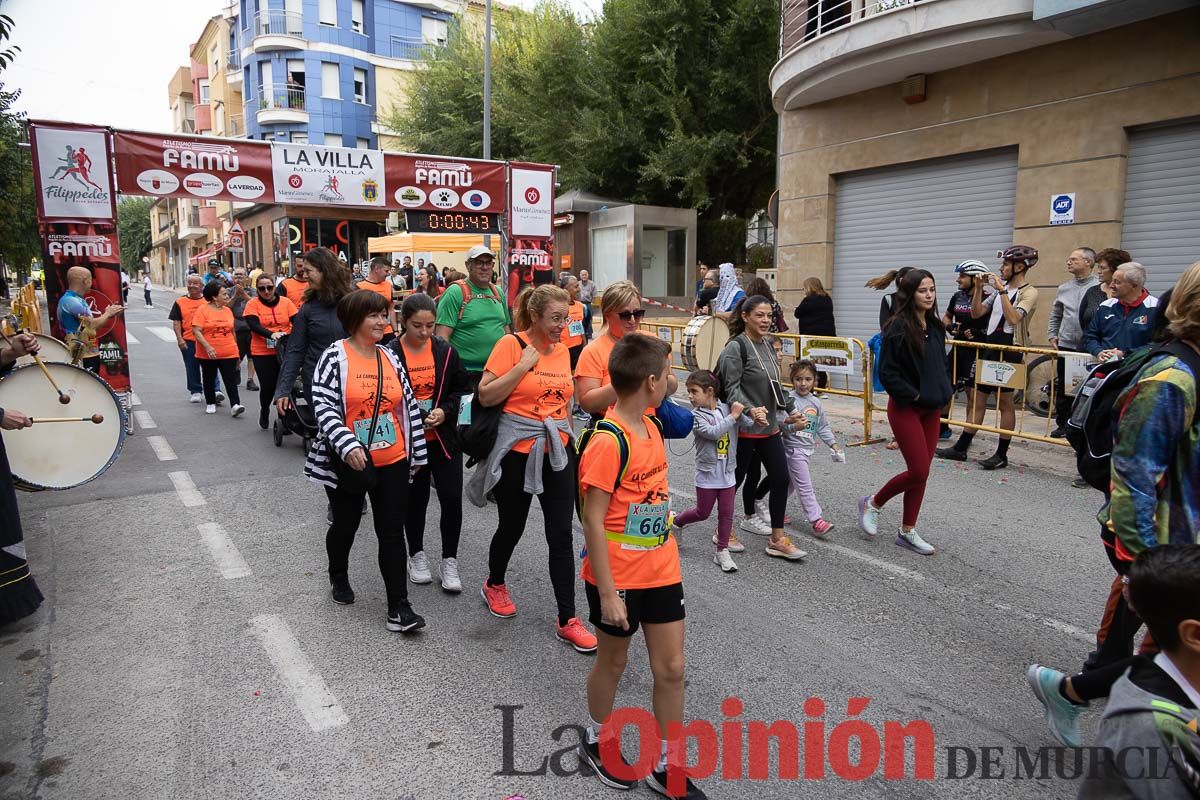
(189, 495)
(224, 552)
(1049, 622)
(134, 400)
(166, 334)
(130, 338)
(318, 705)
(144, 420)
(161, 448)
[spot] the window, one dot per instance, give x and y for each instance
(214, 59)
(299, 138)
(356, 15)
(362, 144)
(204, 91)
(433, 31)
(295, 73)
(314, 138)
(329, 81)
(328, 14)
(360, 86)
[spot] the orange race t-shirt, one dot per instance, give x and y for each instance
(544, 391)
(384, 289)
(422, 376)
(362, 380)
(295, 290)
(573, 335)
(276, 319)
(216, 325)
(593, 361)
(643, 497)
(187, 308)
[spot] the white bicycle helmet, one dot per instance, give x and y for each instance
(972, 267)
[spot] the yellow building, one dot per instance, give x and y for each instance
(933, 131)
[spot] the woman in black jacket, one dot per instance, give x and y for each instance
(814, 315)
(913, 371)
(439, 383)
(316, 326)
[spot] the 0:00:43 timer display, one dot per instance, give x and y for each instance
(452, 222)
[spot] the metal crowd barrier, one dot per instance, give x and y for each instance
(846, 361)
(27, 309)
(1035, 384)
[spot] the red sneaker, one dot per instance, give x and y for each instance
(498, 600)
(576, 634)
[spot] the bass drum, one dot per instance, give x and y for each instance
(61, 455)
(49, 349)
(703, 340)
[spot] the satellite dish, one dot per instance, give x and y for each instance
(773, 208)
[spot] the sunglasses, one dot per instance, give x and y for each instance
(626, 316)
(266, 288)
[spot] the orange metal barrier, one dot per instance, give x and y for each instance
(27, 309)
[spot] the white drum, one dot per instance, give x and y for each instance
(703, 340)
(49, 349)
(61, 455)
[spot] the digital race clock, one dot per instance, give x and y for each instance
(451, 222)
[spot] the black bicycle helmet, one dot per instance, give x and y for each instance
(1021, 254)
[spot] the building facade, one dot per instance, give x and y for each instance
(933, 131)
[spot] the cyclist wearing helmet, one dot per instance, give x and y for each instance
(1007, 312)
(961, 325)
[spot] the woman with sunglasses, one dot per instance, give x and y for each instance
(749, 371)
(621, 309)
(270, 319)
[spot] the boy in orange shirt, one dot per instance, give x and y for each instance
(631, 571)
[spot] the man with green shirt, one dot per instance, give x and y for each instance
(474, 325)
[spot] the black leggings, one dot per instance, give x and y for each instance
(388, 500)
(769, 453)
(447, 474)
(558, 505)
(228, 368)
(267, 369)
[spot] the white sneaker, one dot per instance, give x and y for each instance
(753, 524)
(418, 568)
(450, 580)
(911, 540)
(735, 545)
(210, 409)
(196, 398)
(220, 396)
(868, 517)
(725, 561)
(237, 410)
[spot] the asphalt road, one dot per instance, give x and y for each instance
(188, 647)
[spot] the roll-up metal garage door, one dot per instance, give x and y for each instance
(1162, 202)
(931, 214)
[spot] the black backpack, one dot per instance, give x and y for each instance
(612, 429)
(479, 438)
(1091, 427)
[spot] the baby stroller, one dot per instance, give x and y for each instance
(299, 419)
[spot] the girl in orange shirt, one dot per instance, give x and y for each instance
(530, 374)
(270, 319)
(216, 348)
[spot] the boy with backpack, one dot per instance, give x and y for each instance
(631, 567)
(1148, 406)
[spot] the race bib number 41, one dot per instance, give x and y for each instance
(385, 431)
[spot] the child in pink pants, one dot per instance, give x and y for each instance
(799, 440)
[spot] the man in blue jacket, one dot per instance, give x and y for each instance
(1123, 322)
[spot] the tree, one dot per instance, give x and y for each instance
(19, 243)
(133, 229)
(660, 101)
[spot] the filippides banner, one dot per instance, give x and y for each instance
(339, 176)
(71, 173)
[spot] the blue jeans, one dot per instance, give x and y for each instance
(195, 384)
(587, 322)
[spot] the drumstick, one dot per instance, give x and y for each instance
(63, 397)
(95, 418)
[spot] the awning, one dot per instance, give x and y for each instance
(428, 243)
(204, 254)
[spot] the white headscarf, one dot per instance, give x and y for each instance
(729, 289)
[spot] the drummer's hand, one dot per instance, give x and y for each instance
(357, 459)
(14, 420)
(283, 405)
(25, 344)
(113, 310)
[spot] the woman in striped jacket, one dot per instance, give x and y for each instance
(366, 410)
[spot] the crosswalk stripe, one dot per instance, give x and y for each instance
(166, 334)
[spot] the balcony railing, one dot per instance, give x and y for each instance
(290, 97)
(233, 60)
(411, 49)
(277, 22)
(192, 220)
(236, 125)
(802, 20)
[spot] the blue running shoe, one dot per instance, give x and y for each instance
(1061, 714)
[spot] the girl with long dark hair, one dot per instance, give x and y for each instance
(913, 371)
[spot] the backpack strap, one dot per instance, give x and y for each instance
(614, 430)
(467, 295)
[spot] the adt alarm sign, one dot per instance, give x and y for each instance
(1062, 209)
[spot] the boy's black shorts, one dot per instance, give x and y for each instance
(655, 606)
